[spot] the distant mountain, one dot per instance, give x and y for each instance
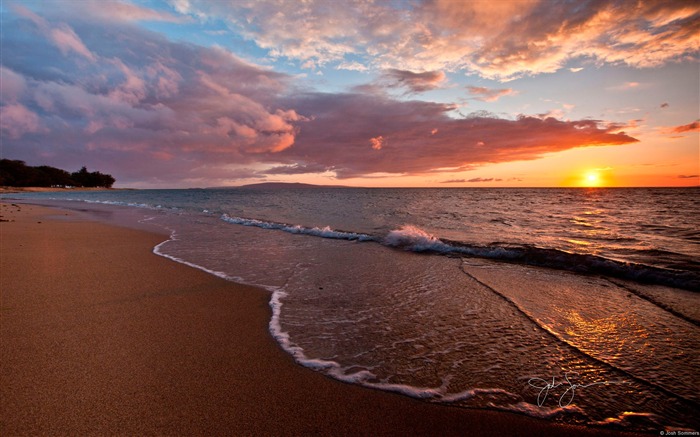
(280, 185)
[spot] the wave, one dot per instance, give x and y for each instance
(417, 240)
(325, 232)
(414, 239)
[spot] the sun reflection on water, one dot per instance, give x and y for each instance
(612, 334)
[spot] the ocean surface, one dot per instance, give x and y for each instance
(572, 305)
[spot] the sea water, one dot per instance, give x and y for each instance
(575, 305)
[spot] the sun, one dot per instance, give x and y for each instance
(592, 179)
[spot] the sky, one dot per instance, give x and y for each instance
(201, 93)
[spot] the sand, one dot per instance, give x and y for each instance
(99, 336)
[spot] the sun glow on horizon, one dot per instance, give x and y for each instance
(592, 178)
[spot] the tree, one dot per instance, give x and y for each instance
(83, 178)
(14, 173)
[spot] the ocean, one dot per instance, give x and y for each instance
(572, 305)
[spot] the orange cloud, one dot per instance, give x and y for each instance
(350, 117)
(377, 142)
(691, 127)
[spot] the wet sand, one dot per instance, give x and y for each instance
(99, 336)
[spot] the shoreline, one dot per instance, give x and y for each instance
(102, 336)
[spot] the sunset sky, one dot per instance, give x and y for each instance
(197, 93)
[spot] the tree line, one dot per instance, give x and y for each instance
(18, 174)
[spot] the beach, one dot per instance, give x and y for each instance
(102, 337)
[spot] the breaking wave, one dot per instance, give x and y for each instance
(412, 238)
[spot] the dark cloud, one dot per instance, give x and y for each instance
(484, 180)
(296, 169)
(339, 129)
(414, 82)
(461, 181)
(691, 176)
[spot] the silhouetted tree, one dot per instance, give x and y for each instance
(15, 173)
(83, 178)
(54, 177)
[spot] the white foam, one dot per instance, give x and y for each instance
(541, 412)
(471, 393)
(173, 237)
(413, 238)
(325, 232)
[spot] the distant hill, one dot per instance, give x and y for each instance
(280, 185)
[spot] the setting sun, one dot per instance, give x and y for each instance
(592, 178)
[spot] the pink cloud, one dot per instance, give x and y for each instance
(175, 106)
(12, 85)
(498, 40)
(62, 35)
(490, 94)
(67, 40)
(16, 120)
(119, 10)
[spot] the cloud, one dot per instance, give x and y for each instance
(414, 82)
(691, 176)
(483, 180)
(497, 40)
(155, 111)
(61, 34)
(377, 142)
(16, 120)
(627, 86)
(664, 105)
(12, 85)
(141, 100)
(298, 168)
(490, 94)
(120, 10)
(690, 127)
(352, 66)
(335, 136)
(462, 181)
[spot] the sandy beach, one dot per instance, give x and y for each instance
(102, 337)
